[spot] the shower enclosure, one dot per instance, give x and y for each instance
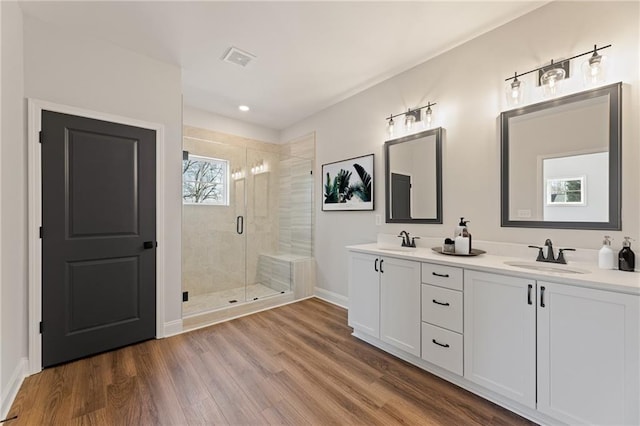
(247, 218)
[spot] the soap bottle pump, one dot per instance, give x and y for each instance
(462, 238)
(460, 227)
(605, 255)
(626, 257)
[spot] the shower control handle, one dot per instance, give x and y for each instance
(240, 224)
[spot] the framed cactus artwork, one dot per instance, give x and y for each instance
(348, 184)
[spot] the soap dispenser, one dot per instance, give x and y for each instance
(462, 238)
(626, 257)
(460, 227)
(605, 255)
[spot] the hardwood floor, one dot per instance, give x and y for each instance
(297, 364)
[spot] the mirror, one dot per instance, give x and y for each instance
(561, 162)
(413, 178)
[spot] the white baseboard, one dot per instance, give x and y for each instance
(9, 394)
(331, 297)
(172, 328)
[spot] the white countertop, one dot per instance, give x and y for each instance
(603, 279)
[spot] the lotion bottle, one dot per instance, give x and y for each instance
(605, 255)
(463, 239)
(460, 227)
(626, 257)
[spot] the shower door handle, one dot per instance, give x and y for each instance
(240, 224)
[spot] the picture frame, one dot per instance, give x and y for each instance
(348, 185)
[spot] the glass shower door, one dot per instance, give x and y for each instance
(213, 225)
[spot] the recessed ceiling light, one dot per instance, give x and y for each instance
(243, 108)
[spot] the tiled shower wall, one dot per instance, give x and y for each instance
(278, 218)
(295, 215)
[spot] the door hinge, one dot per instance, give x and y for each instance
(185, 296)
(40, 327)
(40, 136)
(41, 232)
(310, 172)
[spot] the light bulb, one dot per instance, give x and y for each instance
(594, 69)
(551, 81)
(409, 119)
(390, 126)
(428, 116)
(515, 91)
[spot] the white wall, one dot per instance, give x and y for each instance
(468, 84)
(13, 223)
(64, 68)
(207, 120)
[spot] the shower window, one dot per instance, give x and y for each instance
(205, 181)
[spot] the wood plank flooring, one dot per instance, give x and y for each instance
(297, 364)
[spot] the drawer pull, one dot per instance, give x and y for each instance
(440, 275)
(441, 303)
(444, 345)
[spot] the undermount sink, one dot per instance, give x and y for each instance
(546, 267)
(399, 248)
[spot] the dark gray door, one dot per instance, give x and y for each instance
(99, 231)
(401, 201)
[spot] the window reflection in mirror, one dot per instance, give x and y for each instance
(413, 178)
(561, 162)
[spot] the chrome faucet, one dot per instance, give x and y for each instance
(550, 255)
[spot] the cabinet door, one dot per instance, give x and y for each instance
(500, 334)
(588, 355)
(364, 293)
(400, 304)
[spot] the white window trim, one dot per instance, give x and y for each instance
(227, 178)
(583, 192)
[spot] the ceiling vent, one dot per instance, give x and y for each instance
(237, 56)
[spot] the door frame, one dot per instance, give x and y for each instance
(34, 123)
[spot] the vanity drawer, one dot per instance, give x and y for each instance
(442, 276)
(442, 307)
(442, 348)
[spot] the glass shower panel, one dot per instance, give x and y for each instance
(264, 276)
(213, 238)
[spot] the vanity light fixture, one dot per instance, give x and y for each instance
(550, 76)
(237, 174)
(258, 167)
(411, 116)
(594, 69)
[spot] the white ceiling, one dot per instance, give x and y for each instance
(309, 55)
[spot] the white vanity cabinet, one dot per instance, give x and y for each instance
(384, 299)
(588, 355)
(364, 293)
(576, 347)
(500, 334)
(400, 304)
